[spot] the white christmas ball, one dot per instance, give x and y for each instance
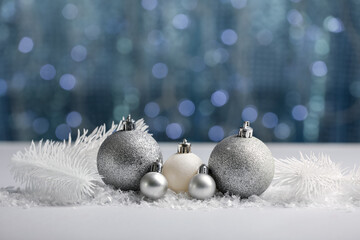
(179, 169)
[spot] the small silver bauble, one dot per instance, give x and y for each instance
(126, 155)
(153, 184)
(202, 185)
(242, 164)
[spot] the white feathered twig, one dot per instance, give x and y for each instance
(64, 172)
(309, 177)
(141, 125)
(351, 184)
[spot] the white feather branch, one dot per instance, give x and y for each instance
(140, 125)
(309, 177)
(351, 184)
(63, 171)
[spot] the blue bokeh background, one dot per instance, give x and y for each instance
(193, 69)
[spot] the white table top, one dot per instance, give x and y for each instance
(99, 222)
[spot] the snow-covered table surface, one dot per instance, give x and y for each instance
(129, 222)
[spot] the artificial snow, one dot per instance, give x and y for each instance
(107, 196)
(65, 174)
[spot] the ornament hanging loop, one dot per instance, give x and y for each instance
(128, 124)
(246, 131)
(184, 147)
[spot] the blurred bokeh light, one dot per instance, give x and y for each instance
(190, 68)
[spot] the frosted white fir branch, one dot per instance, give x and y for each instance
(65, 171)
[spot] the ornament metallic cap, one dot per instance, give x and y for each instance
(156, 167)
(184, 147)
(203, 169)
(128, 124)
(246, 131)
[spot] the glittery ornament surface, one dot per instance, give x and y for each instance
(125, 157)
(242, 166)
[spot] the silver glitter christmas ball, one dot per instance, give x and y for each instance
(242, 164)
(126, 156)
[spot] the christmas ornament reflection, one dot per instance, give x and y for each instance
(126, 155)
(181, 167)
(242, 164)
